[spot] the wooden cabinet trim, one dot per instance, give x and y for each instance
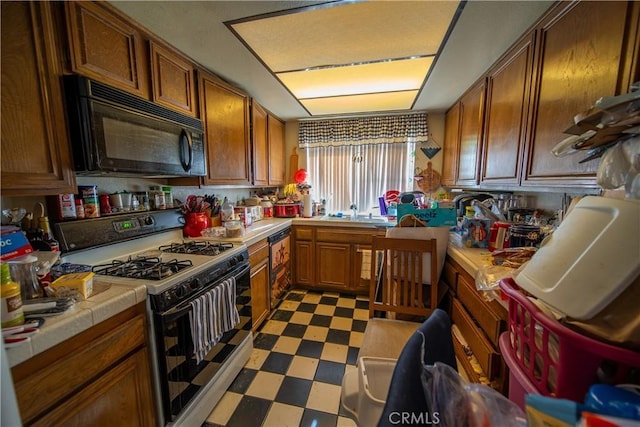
(177, 90)
(471, 128)
(227, 129)
(506, 119)
(126, 384)
(490, 322)
(36, 159)
(275, 132)
(132, 78)
(556, 101)
(481, 348)
(260, 144)
(56, 373)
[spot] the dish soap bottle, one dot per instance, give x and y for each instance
(12, 313)
(226, 211)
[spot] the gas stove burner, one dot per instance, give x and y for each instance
(198, 248)
(142, 267)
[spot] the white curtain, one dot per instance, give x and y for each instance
(359, 174)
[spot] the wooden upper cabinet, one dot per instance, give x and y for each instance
(471, 122)
(36, 157)
(173, 80)
(506, 115)
(224, 110)
(276, 151)
(260, 149)
(105, 46)
(451, 144)
(581, 47)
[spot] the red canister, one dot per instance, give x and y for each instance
(499, 236)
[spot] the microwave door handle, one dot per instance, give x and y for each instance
(186, 150)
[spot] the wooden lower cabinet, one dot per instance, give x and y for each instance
(260, 303)
(480, 322)
(330, 258)
(100, 377)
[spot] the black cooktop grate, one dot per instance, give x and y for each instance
(142, 267)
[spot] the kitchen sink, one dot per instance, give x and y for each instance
(359, 218)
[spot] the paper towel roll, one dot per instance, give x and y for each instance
(307, 206)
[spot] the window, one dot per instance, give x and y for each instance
(355, 161)
(359, 174)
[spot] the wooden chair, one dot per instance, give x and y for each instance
(398, 284)
(398, 290)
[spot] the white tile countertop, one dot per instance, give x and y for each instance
(82, 316)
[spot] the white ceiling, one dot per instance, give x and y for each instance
(484, 31)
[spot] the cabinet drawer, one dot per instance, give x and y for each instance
(258, 252)
(303, 233)
(450, 276)
(489, 321)
(352, 235)
(60, 377)
(487, 357)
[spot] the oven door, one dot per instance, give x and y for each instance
(180, 376)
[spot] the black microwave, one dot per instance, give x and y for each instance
(116, 133)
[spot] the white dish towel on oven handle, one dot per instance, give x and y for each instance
(212, 314)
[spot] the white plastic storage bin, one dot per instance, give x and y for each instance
(364, 392)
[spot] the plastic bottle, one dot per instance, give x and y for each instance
(47, 235)
(226, 211)
(12, 313)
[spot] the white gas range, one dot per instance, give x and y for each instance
(148, 248)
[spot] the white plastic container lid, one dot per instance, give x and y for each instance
(589, 260)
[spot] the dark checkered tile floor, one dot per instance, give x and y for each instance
(300, 355)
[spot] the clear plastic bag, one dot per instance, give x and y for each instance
(456, 403)
(488, 279)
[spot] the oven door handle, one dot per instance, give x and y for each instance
(176, 312)
(180, 310)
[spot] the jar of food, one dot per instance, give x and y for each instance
(234, 228)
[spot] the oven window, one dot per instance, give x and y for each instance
(181, 376)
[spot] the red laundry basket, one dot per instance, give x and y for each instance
(556, 360)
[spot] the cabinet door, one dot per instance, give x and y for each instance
(276, 151)
(333, 264)
(451, 145)
(304, 263)
(36, 157)
(260, 304)
(506, 115)
(123, 396)
(225, 113)
(260, 144)
(471, 119)
(173, 80)
(107, 47)
(581, 46)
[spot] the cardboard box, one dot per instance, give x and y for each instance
(72, 285)
(13, 243)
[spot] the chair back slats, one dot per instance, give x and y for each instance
(396, 270)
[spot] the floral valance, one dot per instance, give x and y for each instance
(365, 130)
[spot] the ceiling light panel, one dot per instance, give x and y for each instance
(348, 33)
(388, 76)
(376, 102)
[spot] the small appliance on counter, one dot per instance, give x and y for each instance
(286, 210)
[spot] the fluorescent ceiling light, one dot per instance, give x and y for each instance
(374, 52)
(364, 78)
(376, 102)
